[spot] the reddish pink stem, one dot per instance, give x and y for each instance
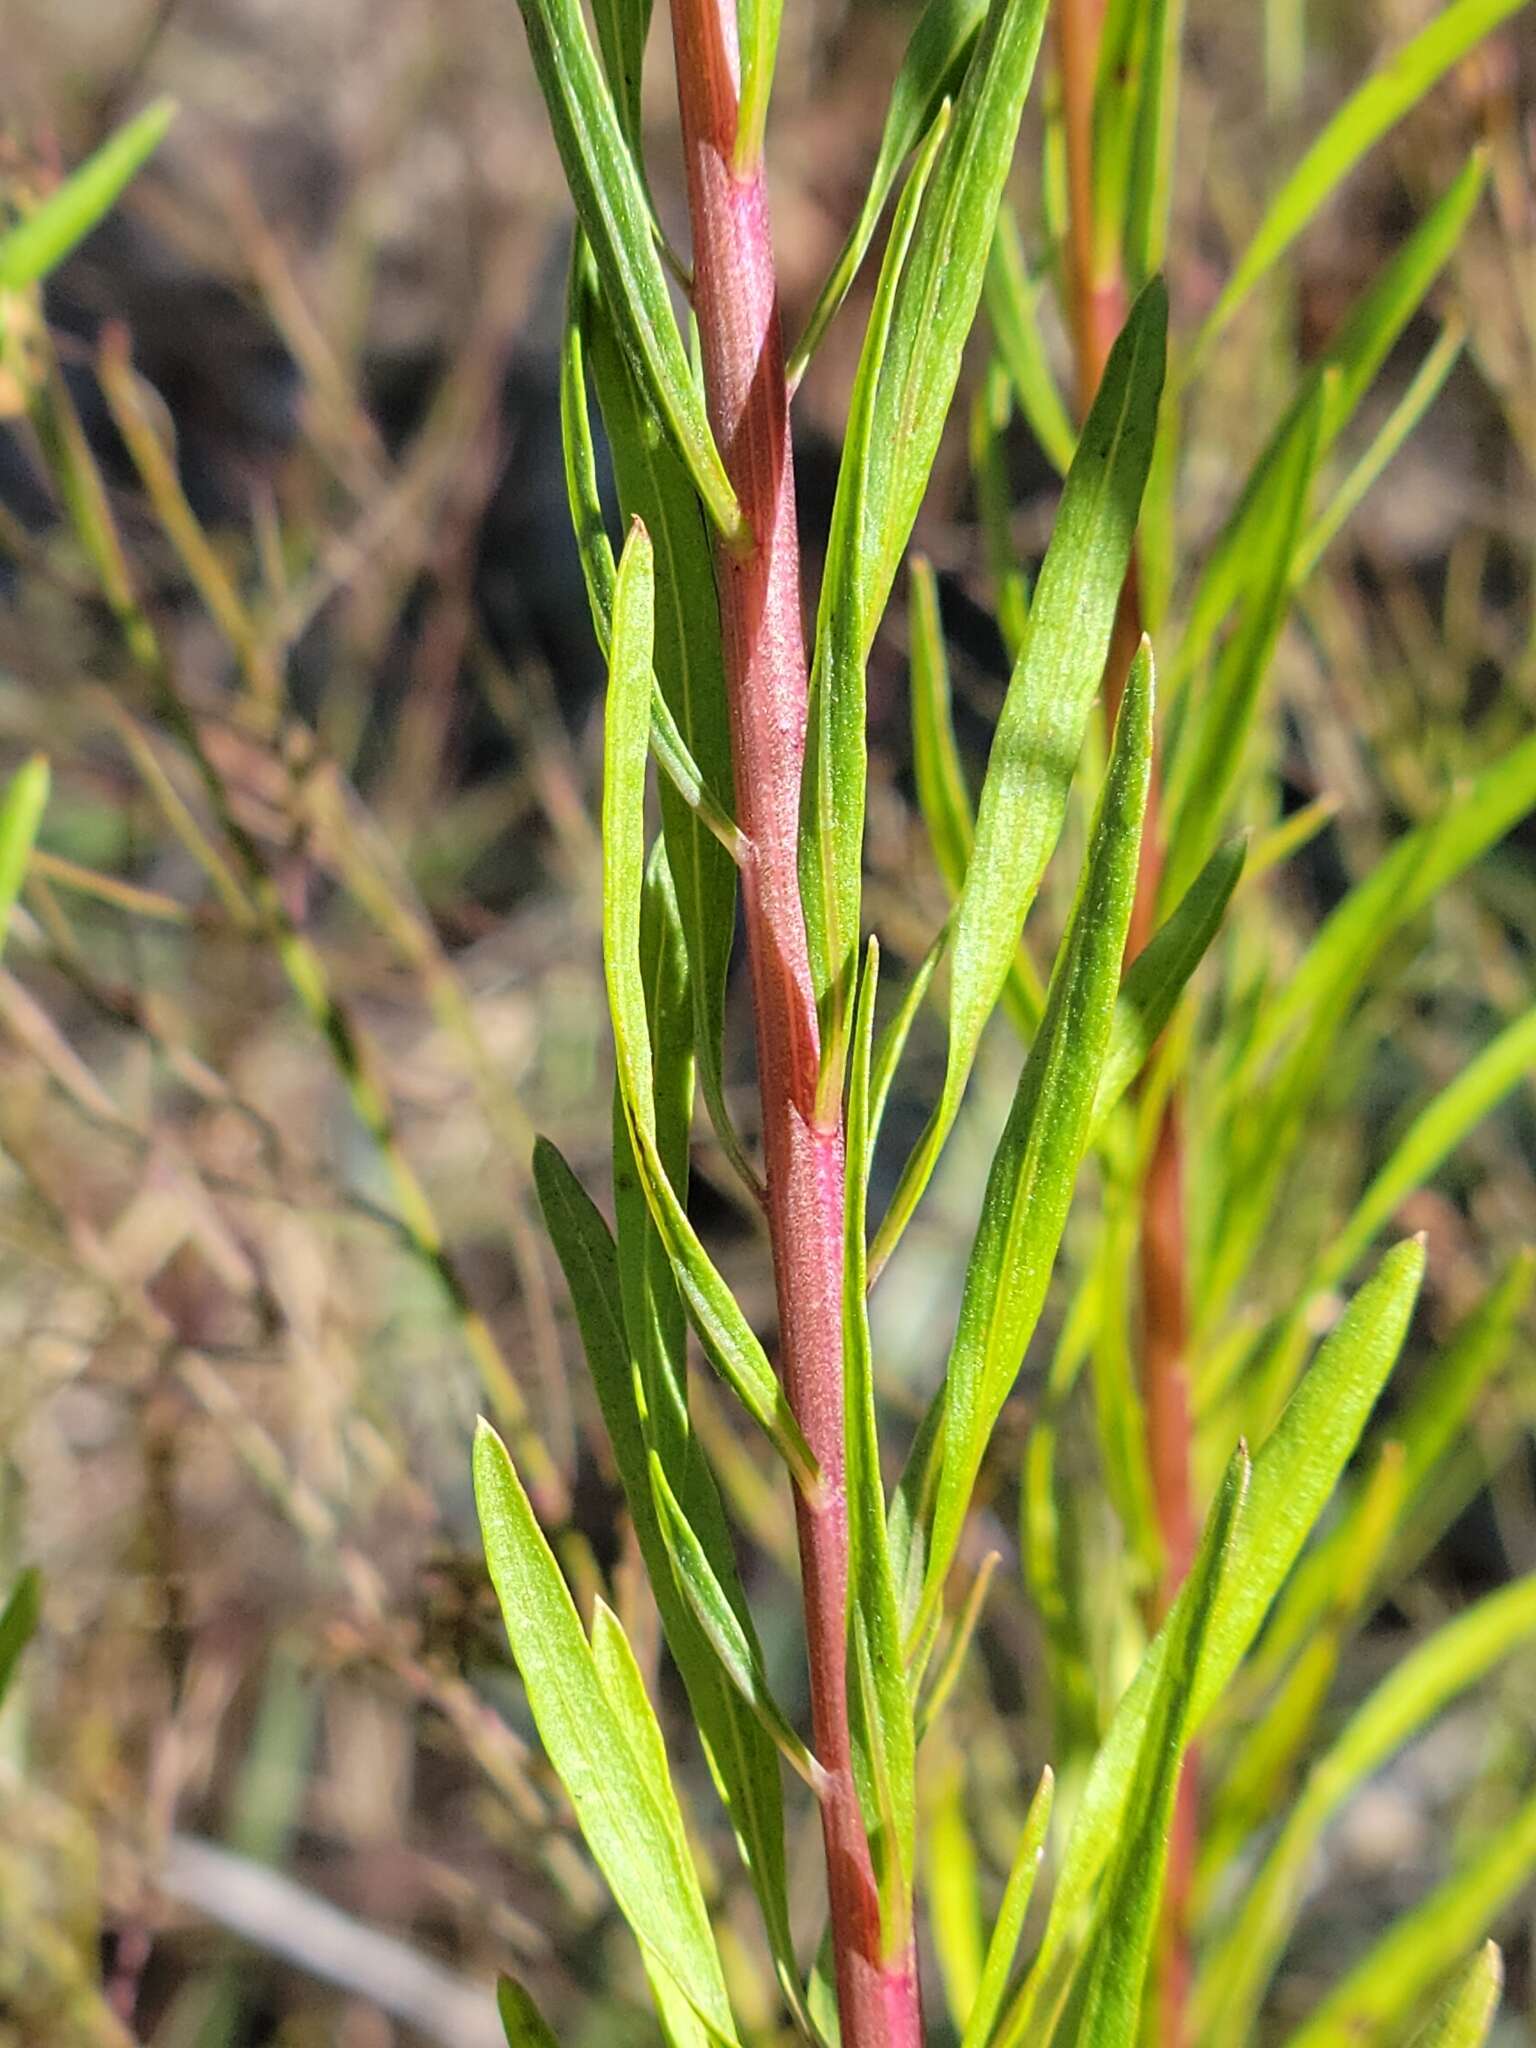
(736, 303)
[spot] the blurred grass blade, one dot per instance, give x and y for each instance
(836, 767)
(41, 240)
(1465, 2015)
(615, 217)
(931, 71)
(1150, 196)
(1009, 1925)
(629, 1819)
(757, 40)
(1388, 1989)
(936, 301)
(991, 415)
(1034, 1169)
(1107, 2009)
(1160, 973)
(690, 728)
(1377, 105)
(951, 1883)
(1218, 716)
(1423, 389)
(1416, 1690)
(18, 1622)
(725, 1333)
(1355, 355)
(21, 813)
(1035, 749)
(1294, 1475)
(1012, 301)
(521, 2019)
(880, 1706)
(744, 1761)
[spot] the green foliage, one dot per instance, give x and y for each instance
(1169, 1005)
(43, 237)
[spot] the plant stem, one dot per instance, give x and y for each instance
(1097, 309)
(736, 304)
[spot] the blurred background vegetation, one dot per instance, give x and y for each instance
(266, 1778)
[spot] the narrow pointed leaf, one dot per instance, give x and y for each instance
(882, 1706)
(724, 1332)
(628, 1820)
(1218, 718)
(521, 2020)
(1388, 1989)
(738, 1653)
(1465, 2015)
(931, 71)
(1294, 1474)
(757, 38)
(41, 240)
(622, 27)
(1120, 1952)
(1354, 356)
(1035, 1166)
(833, 779)
(18, 1623)
(892, 1041)
(1377, 105)
(936, 302)
(1159, 974)
(1039, 735)
(744, 1760)
(615, 217)
(1012, 301)
(690, 730)
(1417, 1689)
(21, 813)
(1009, 1925)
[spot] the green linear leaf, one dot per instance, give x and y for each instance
(1160, 973)
(611, 206)
(1355, 355)
(991, 414)
(1425, 386)
(1294, 1475)
(21, 813)
(727, 1337)
(936, 302)
(1389, 1987)
(1107, 2012)
(1012, 301)
(1034, 1169)
(1009, 1925)
(880, 1704)
(833, 778)
(1157, 118)
(622, 28)
(744, 1760)
(931, 71)
(627, 1818)
(521, 2021)
(1419, 1687)
(1466, 2014)
(1039, 735)
(1218, 718)
(1433, 1418)
(40, 241)
(18, 1622)
(1389, 93)
(690, 727)
(757, 38)
(736, 1650)
(893, 1039)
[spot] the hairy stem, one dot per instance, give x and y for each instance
(1097, 309)
(736, 303)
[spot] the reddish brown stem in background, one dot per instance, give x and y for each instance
(736, 303)
(1097, 308)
